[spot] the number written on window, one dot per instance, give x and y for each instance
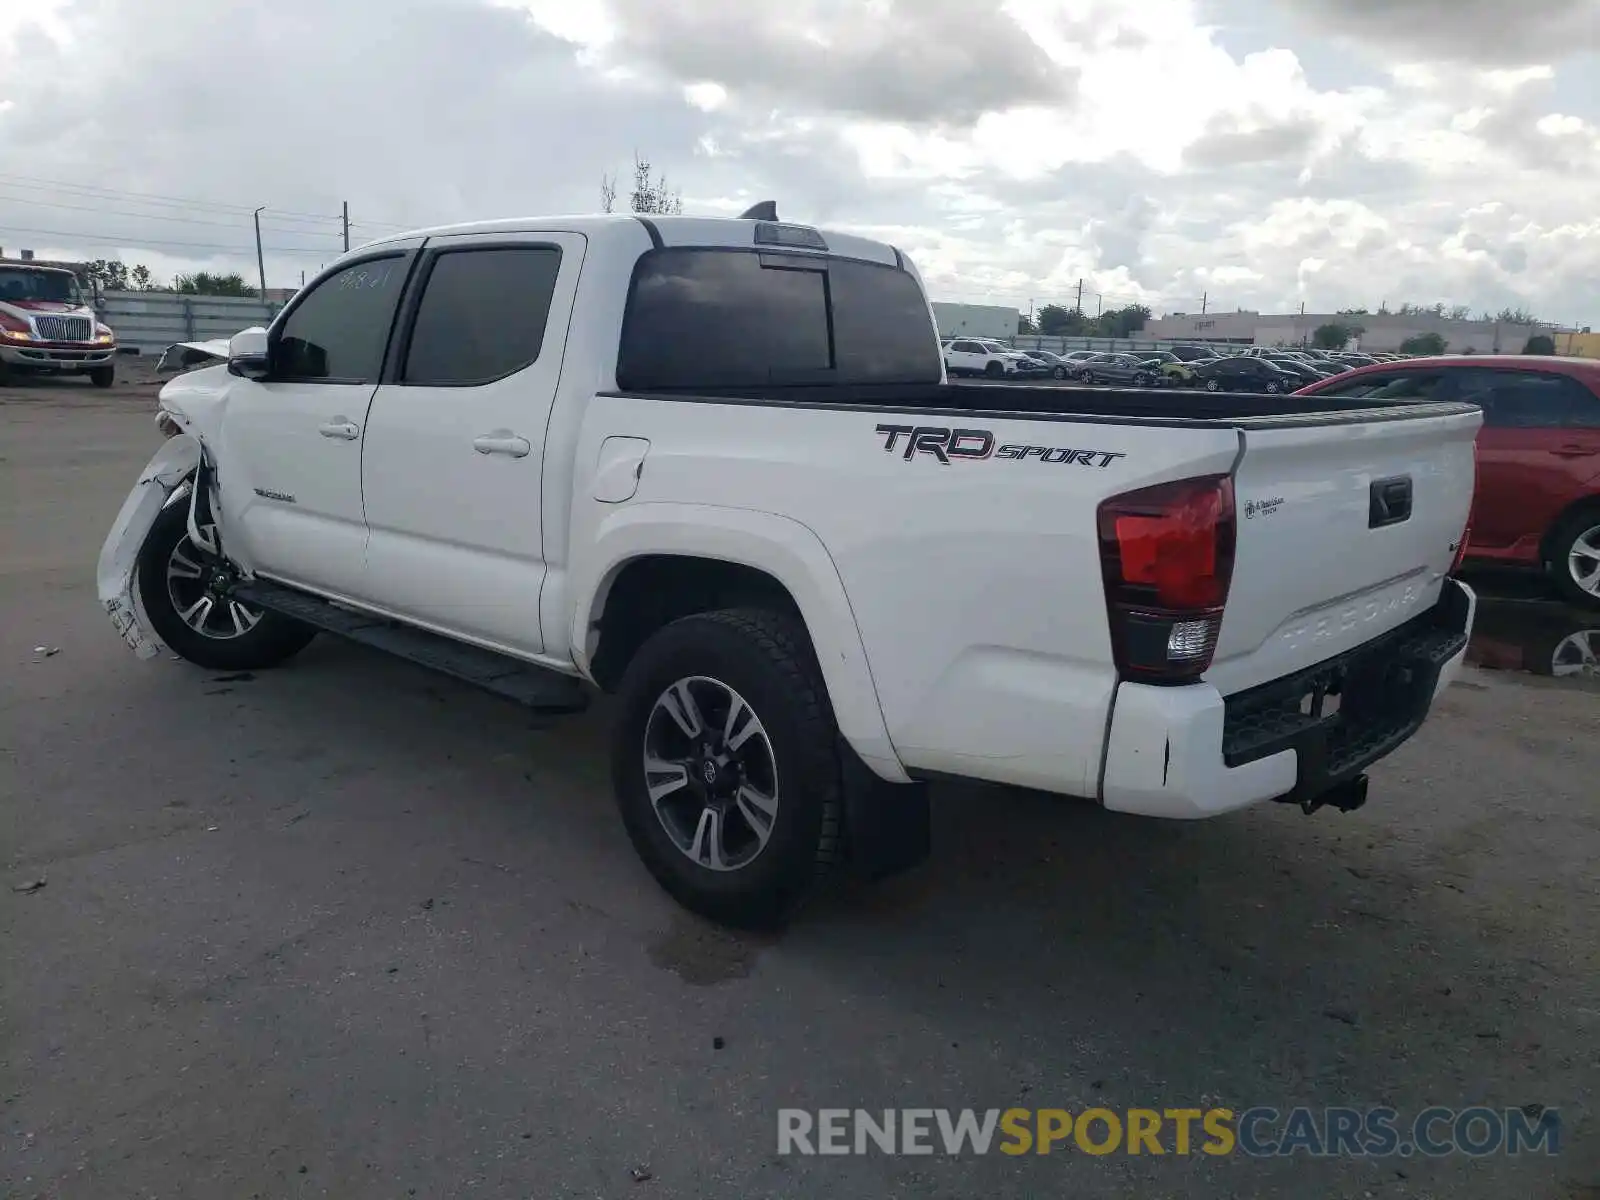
(337, 333)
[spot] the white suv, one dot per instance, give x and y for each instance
(974, 356)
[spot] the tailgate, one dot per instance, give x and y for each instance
(1347, 525)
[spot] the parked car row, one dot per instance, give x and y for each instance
(1269, 369)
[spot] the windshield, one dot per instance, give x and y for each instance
(22, 283)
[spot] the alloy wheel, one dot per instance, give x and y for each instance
(711, 774)
(200, 585)
(1583, 561)
(1577, 654)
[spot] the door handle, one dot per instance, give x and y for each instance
(342, 428)
(1575, 450)
(502, 441)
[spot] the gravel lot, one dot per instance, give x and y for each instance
(350, 930)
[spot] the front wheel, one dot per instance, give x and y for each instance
(726, 764)
(1575, 558)
(1273, 387)
(103, 377)
(1213, 385)
(187, 594)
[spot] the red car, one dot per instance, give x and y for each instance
(1538, 498)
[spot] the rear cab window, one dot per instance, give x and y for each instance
(702, 318)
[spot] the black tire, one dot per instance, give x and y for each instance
(993, 370)
(1085, 376)
(271, 640)
(767, 659)
(103, 377)
(1213, 385)
(1585, 525)
(1273, 387)
(1059, 373)
(7, 375)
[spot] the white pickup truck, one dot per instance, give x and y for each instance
(714, 465)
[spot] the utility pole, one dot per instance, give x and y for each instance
(261, 263)
(347, 225)
(1079, 306)
(1203, 297)
(1302, 308)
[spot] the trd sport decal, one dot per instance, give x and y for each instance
(946, 444)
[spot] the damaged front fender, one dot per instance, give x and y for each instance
(169, 470)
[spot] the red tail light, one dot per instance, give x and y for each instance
(1166, 554)
(1461, 549)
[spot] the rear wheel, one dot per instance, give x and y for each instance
(1059, 373)
(994, 370)
(1273, 387)
(187, 594)
(726, 764)
(1575, 558)
(1213, 385)
(103, 377)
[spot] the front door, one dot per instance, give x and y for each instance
(289, 462)
(1538, 452)
(455, 443)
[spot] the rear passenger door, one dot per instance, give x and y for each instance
(455, 439)
(1538, 451)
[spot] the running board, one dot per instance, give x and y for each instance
(526, 683)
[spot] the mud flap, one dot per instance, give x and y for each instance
(888, 826)
(119, 555)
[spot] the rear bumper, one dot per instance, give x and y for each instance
(1186, 752)
(46, 356)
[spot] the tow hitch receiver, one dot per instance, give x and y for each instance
(1346, 797)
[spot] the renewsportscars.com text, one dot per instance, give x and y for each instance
(1258, 1132)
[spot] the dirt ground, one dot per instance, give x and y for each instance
(346, 929)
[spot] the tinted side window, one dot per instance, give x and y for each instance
(717, 318)
(338, 332)
(699, 318)
(968, 347)
(1529, 399)
(482, 314)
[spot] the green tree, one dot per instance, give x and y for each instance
(1516, 316)
(110, 273)
(650, 193)
(205, 283)
(1423, 343)
(1121, 322)
(1332, 336)
(1055, 321)
(1540, 343)
(142, 280)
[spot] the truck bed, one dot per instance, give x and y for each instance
(1142, 406)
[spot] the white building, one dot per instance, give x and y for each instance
(1379, 332)
(975, 320)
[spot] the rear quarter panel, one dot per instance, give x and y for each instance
(973, 581)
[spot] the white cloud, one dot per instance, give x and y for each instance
(1013, 147)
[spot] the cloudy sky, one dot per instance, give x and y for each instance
(1262, 152)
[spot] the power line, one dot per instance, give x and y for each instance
(156, 244)
(156, 199)
(184, 220)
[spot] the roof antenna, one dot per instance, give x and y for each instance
(766, 210)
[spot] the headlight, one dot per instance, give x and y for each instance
(168, 426)
(103, 335)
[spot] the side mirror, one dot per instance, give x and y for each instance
(247, 354)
